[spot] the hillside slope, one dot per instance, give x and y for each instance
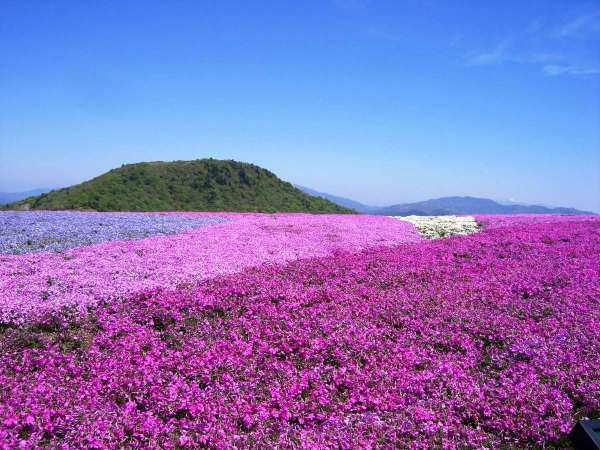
(342, 201)
(200, 185)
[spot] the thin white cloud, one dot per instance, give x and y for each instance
(582, 25)
(567, 57)
(550, 64)
(505, 52)
(558, 69)
(497, 55)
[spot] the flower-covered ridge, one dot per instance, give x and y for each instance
(43, 231)
(37, 283)
(487, 340)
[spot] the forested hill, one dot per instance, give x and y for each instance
(199, 185)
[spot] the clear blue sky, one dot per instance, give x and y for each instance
(381, 101)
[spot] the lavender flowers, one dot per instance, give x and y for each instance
(43, 231)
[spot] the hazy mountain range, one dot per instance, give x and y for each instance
(210, 184)
(346, 202)
(445, 206)
(9, 197)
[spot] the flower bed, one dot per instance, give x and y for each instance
(38, 283)
(44, 231)
(510, 220)
(435, 227)
(489, 340)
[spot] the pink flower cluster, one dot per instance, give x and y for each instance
(36, 283)
(511, 220)
(489, 340)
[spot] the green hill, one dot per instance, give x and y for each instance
(200, 185)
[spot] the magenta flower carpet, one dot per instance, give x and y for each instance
(36, 283)
(302, 331)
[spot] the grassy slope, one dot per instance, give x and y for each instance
(201, 185)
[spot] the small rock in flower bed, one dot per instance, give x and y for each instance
(43, 231)
(435, 227)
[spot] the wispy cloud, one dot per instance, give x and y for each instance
(582, 25)
(558, 69)
(499, 54)
(505, 52)
(554, 53)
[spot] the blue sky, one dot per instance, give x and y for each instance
(382, 101)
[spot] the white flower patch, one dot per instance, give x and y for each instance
(434, 227)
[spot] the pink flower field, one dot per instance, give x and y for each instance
(305, 331)
(36, 283)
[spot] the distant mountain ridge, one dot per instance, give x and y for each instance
(469, 205)
(9, 197)
(334, 203)
(448, 205)
(199, 185)
(342, 201)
